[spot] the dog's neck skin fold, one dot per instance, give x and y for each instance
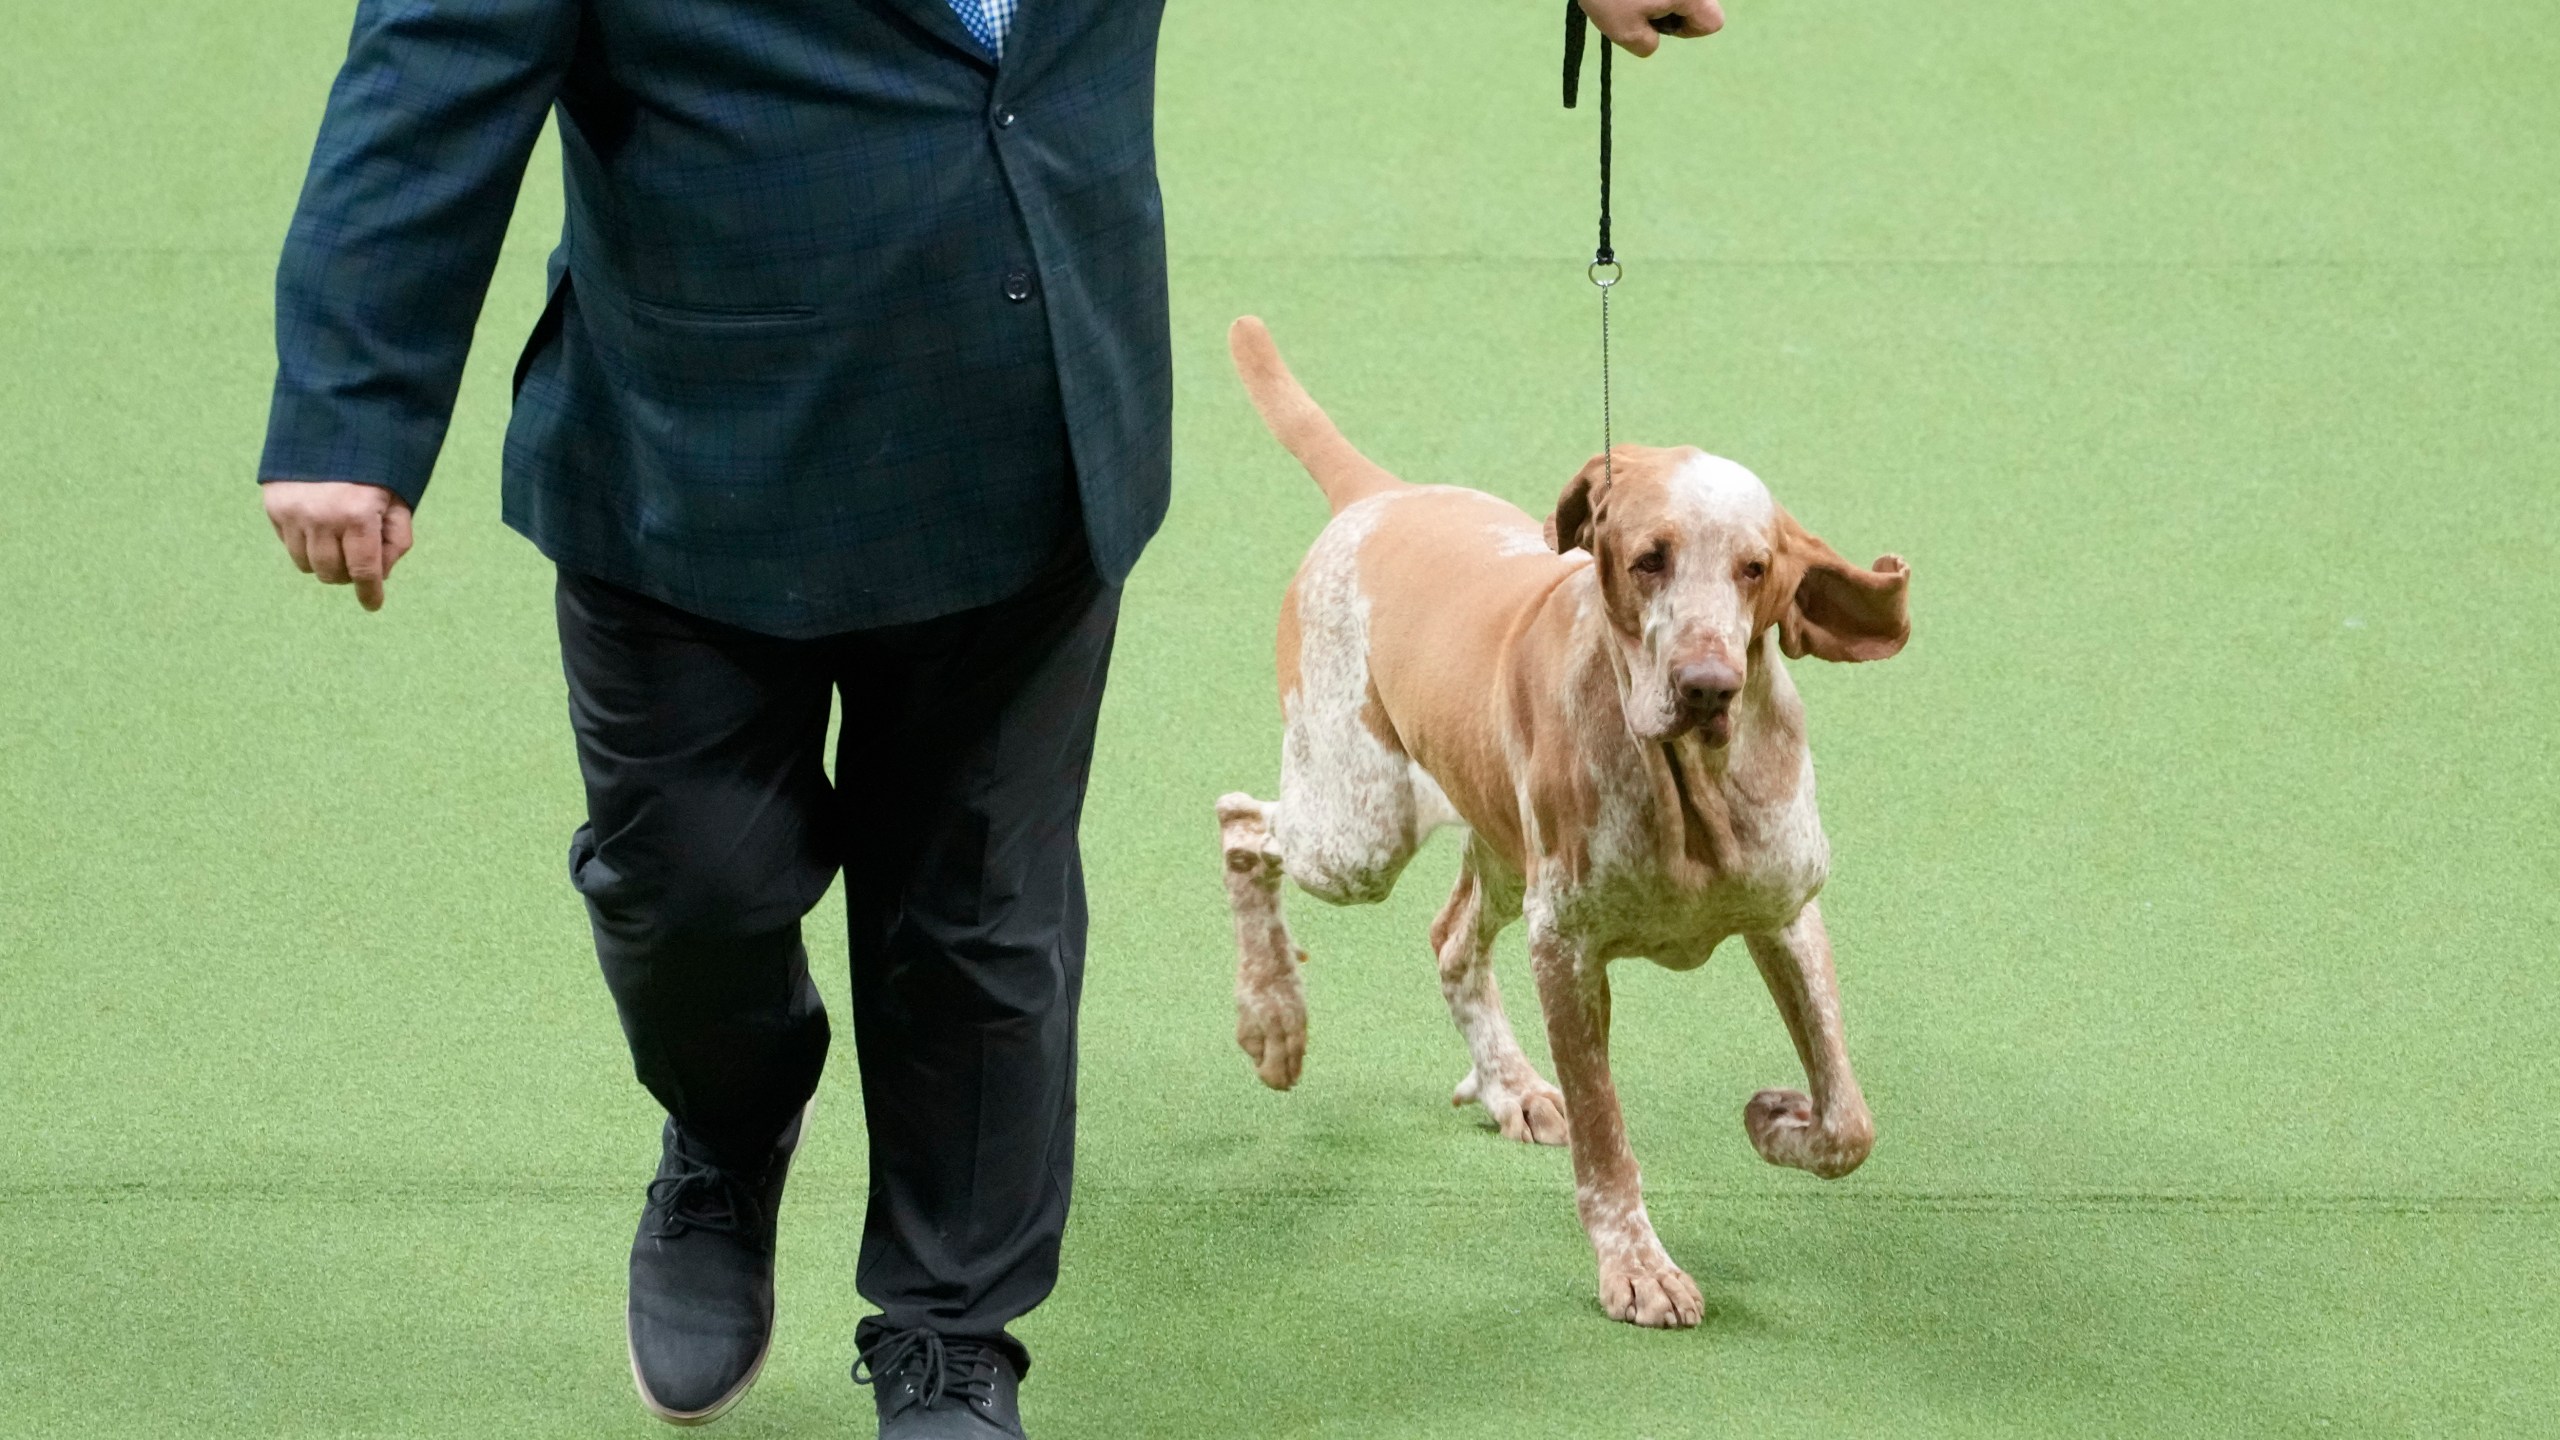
(1701, 807)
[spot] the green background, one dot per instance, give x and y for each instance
(2195, 886)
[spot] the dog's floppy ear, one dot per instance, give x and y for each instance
(1831, 609)
(1569, 528)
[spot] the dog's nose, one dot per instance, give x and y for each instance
(1708, 685)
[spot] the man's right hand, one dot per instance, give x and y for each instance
(1630, 22)
(344, 533)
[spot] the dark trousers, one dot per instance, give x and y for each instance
(959, 780)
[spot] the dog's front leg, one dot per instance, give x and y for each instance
(1828, 1132)
(1638, 1282)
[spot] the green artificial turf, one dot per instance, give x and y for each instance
(2195, 888)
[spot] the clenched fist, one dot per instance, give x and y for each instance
(1629, 23)
(344, 533)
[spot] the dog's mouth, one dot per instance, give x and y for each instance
(1712, 724)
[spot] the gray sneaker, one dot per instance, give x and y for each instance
(700, 1318)
(931, 1386)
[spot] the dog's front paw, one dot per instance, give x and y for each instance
(1271, 1028)
(1786, 1131)
(1527, 1109)
(1652, 1292)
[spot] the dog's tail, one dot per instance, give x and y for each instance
(1345, 475)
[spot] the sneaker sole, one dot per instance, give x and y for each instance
(709, 1413)
(738, 1392)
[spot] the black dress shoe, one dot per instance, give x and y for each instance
(931, 1386)
(701, 1313)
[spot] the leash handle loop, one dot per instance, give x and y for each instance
(1577, 27)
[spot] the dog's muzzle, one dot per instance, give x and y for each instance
(1706, 689)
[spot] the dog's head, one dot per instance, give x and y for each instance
(1695, 560)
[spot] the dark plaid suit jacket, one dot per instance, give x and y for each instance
(849, 323)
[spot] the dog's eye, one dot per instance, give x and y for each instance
(1651, 562)
(1754, 570)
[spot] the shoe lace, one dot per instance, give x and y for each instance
(932, 1365)
(700, 1196)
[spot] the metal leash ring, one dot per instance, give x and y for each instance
(1617, 272)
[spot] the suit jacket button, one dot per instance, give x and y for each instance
(1017, 286)
(1004, 119)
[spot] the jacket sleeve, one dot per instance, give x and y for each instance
(420, 156)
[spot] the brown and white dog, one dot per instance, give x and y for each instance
(1602, 706)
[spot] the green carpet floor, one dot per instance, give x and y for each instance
(2195, 887)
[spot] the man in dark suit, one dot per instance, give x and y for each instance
(854, 377)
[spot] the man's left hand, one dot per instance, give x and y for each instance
(1629, 23)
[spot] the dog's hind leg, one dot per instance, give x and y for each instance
(1353, 805)
(1828, 1132)
(1271, 1001)
(1487, 898)
(1344, 854)
(1350, 816)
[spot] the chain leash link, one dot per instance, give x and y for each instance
(1605, 272)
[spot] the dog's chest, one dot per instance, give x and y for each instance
(1671, 889)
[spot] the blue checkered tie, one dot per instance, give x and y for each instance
(988, 20)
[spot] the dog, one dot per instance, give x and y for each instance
(1601, 703)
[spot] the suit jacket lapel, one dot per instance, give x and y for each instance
(1030, 27)
(938, 17)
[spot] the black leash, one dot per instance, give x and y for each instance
(1605, 271)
